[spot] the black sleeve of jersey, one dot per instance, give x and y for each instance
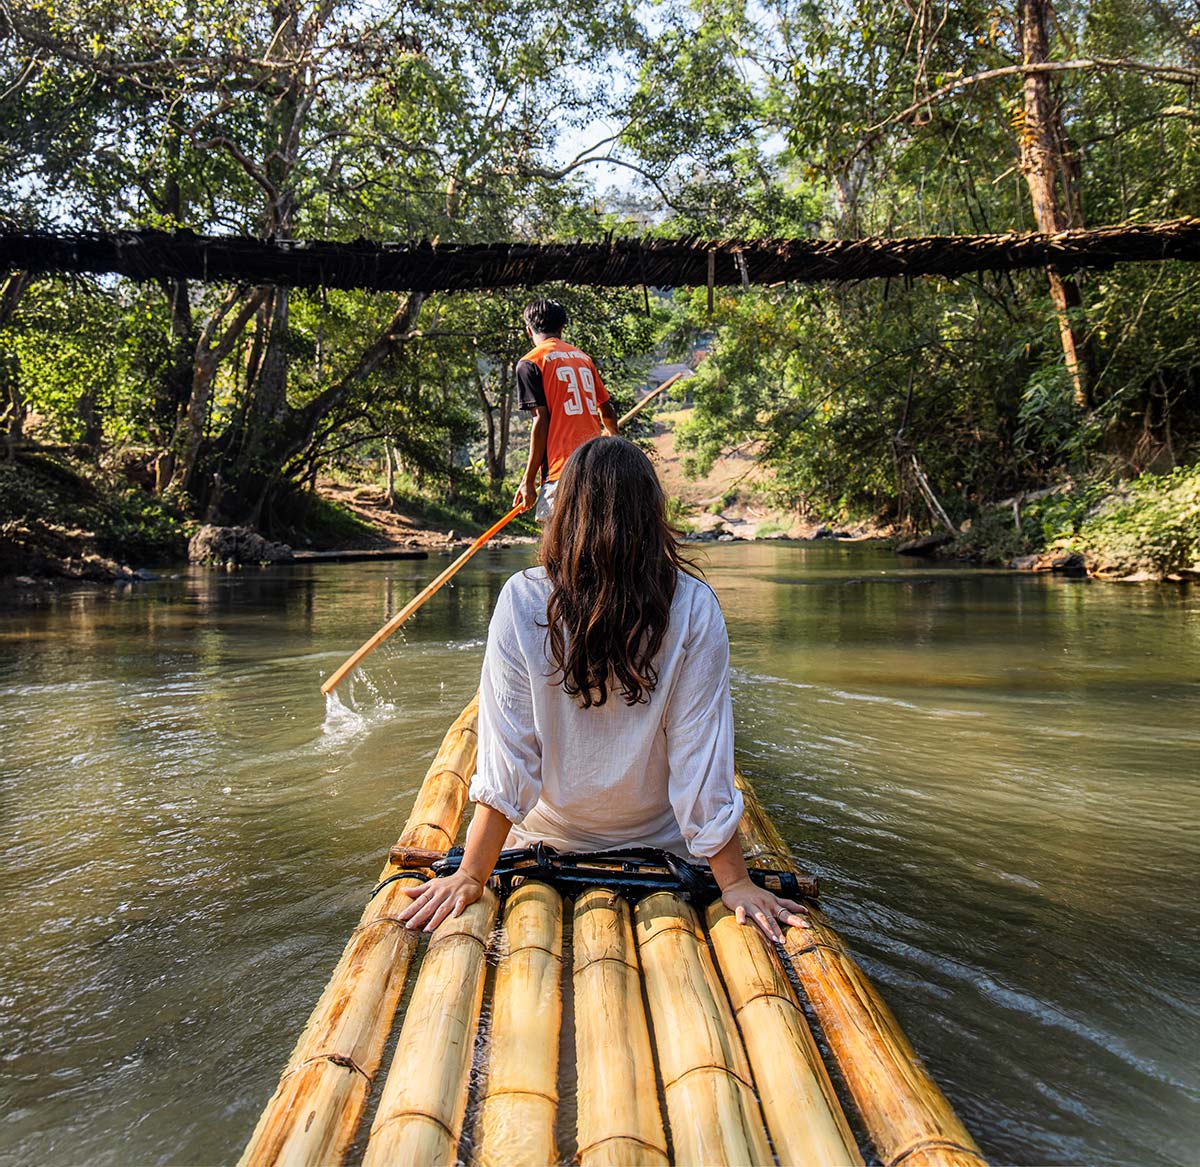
(529, 385)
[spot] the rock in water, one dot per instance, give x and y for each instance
(926, 545)
(1059, 562)
(235, 545)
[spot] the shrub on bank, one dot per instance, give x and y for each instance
(59, 510)
(1149, 527)
(1146, 528)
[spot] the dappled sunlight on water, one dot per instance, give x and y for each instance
(994, 776)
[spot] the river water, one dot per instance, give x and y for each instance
(994, 775)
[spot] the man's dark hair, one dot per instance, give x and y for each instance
(546, 316)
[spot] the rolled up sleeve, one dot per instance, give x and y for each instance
(508, 774)
(699, 729)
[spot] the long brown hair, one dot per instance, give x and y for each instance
(613, 561)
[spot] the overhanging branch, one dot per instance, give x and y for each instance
(1179, 74)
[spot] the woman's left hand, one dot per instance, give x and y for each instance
(747, 901)
(434, 901)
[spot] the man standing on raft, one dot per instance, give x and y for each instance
(559, 385)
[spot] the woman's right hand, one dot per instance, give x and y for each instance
(445, 896)
(747, 901)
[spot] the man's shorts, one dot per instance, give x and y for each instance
(545, 501)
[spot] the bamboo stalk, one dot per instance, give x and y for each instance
(804, 1117)
(424, 1099)
(516, 1123)
(619, 1122)
(709, 1090)
(314, 1113)
(352, 662)
(647, 399)
(909, 1119)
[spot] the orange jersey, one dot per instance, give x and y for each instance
(564, 380)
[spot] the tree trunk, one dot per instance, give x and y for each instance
(177, 468)
(389, 465)
(12, 400)
(175, 389)
(88, 411)
(270, 398)
(489, 416)
(506, 398)
(267, 408)
(1045, 168)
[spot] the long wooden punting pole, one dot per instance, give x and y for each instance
(421, 1109)
(909, 1119)
(618, 1119)
(804, 1118)
(356, 658)
(516, 1123)
(709, 1090)
(314, 1113)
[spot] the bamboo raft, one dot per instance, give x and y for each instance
(690, 1044)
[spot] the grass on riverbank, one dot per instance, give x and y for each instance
(1147, 528)
(66, 517)
(63, 516)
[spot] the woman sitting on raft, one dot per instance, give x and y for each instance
(605, 717)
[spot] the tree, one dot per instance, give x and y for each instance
(301, 117)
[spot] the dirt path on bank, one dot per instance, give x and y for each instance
(406, 527)
(732, 498)
(391, 528)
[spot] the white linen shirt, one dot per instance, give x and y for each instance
(656, 774)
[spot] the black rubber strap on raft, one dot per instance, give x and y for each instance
(632, 872)
(392, 879)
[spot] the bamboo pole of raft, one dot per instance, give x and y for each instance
(420, 1115)
(909, 1119)
(314, 1113)
(715, 1118)
(619, 1123)
(356, 658)
(804, 1117)
(516, 1123)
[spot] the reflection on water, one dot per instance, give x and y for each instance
(994, 776)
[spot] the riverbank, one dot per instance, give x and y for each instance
(67, 518)
(64, 518)
(1143, 530)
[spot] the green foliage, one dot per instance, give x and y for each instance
(142, 528)
(321, 522)
(1151, 525)
(677, 515)
(727, 499)
(771, 528)
(124, 522)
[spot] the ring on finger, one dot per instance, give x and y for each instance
(782, 914)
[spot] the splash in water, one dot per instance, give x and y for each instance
(340, 720)
(345, 720)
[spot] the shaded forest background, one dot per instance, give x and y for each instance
(920, 405)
